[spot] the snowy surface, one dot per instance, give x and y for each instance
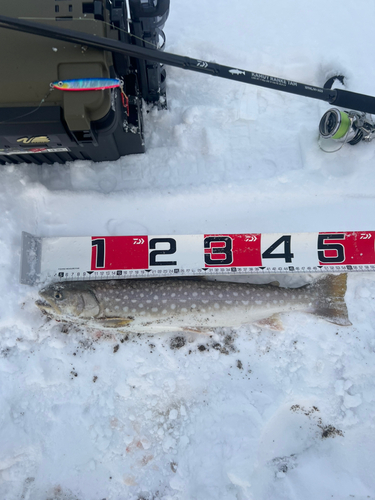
(246, 414)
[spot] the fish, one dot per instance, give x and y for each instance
(165, 304)
(87, 84)
(237, 72)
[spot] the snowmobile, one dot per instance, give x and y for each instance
(78, 94)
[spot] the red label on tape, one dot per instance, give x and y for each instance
(232, 250)
(119, 252)
(346, 248)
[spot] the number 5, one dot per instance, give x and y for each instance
(323, 247)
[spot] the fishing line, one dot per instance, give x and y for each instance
(30, 112)
(124, 100)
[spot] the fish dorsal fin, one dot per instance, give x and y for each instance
(274, 283)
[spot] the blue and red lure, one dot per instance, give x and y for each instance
(89, 84)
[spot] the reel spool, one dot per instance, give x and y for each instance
(337, 128)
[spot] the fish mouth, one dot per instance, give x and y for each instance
(46, 307)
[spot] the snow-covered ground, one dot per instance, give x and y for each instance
(246, 414)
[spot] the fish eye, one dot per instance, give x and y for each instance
(58, 295)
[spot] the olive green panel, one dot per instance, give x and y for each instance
(29, 63)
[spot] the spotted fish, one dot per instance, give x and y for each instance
(147, 305)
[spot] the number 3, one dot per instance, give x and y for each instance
(226, 250)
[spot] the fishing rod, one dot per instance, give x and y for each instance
(343, 126)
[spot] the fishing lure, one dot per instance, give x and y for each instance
(88, 84)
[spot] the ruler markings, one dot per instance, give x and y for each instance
(121, 257)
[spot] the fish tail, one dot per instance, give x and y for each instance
(331, 304)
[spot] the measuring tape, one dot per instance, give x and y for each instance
(121, 257)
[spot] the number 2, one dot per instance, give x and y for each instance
(155, 253)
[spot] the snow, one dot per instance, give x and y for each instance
(245, 414)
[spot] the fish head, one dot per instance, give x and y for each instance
(68, 299)
(61, 85)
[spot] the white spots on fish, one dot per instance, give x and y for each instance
(182, 300)
(173, 306)
(193, 306)
(142, 313)
(183, 309)
(245, 302)
(205, 301)
(229, 301)
(216, 306)
(211, 292)
(173, 295)
(156, 297)
(154, 309)
(164, 301)
(194, 294)
(140, 305)
(267, 294)
(148, 301)
(235, 294)
(125, 309)
(141, 294)
(258, 302)
(164, 311)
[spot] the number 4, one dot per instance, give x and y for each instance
(287, 255)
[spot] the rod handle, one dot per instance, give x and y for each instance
(352, 100)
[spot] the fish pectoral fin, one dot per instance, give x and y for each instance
(114, 322)
(273, 323)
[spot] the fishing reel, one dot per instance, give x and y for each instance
(337, 128)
